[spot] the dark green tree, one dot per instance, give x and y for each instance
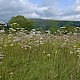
(69, 28)
(20, 22)
(54, 27)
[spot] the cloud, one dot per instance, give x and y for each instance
(71, 17)
(48, 3)
(10, 8)
(74, 12)
(47, 9)
(76, 6)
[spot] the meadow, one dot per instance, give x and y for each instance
(39, 56)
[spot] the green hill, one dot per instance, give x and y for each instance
(46, 24)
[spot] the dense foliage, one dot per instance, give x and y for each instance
(20, 22)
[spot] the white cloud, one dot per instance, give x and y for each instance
(45, 10)
(72, 13)
(76, 6)
(10, 8)
(71, 17)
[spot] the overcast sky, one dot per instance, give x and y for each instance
(46, 9)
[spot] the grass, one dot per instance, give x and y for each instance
(40, 57)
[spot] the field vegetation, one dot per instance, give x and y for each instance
(37, 56)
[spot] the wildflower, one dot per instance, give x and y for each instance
(63, 27)
(44, 52)
(14, 23)
(22, 28)
(11, 73)
(74, 46)
(58, 30)
(26, 30)
(22, 47)
(41, 38)
(63, 44)
(78, 55)
(11, 44)
(77, 27)
(48, 55)
(5, 45)
(0, 62)
(56, 52)
(1, 56)
(71, 52)
(78, 50)
(14, 40)
(41, 42)
(25, 48)
(12, 29)
(0, 76)
(1, 53)
(17, 28)
(48, 32)
(38, 32)
(29, 46)
(33, 30)
(10, 35)
(2, 31)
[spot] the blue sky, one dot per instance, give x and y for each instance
(45, 9)
(63, 4)
(36, 1)
(60, 3)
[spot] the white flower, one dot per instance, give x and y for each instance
(41, 38)
(48, 55)
(78, 50)
(22, 28)
(71, 52)
(63, 27)
(11, 73)
(56, 52)
(5, 45)
(33, 30)
(77, 27)
(17, 28)
(14, 23)
(11, 44)
(44, 52)
(74, 46)
(2, 31)
(0, 76)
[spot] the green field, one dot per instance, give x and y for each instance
(39, 56)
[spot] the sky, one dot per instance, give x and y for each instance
(45, 9)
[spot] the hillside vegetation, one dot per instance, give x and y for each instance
(46, 24)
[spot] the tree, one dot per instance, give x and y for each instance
(69, 28)
(20, 22)
(54, 27)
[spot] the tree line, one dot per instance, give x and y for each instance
(20, 21)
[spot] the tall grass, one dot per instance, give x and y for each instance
(39, 57)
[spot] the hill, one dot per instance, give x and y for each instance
(46, 24)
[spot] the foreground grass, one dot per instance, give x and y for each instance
(40, 57)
